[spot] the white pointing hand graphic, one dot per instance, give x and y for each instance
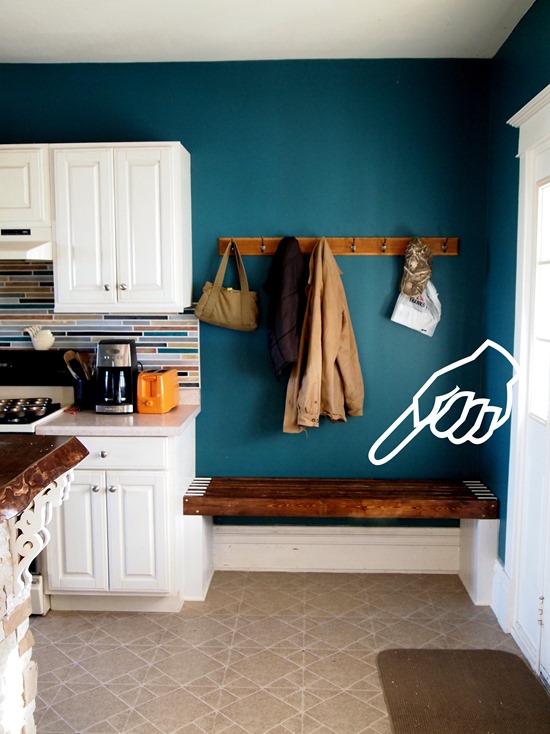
(490, 416)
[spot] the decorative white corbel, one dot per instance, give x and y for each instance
(31, 533)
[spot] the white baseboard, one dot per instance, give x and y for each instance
(525, 644)
(502, 602)
(351, 549)
(113, 603)
(503, 606)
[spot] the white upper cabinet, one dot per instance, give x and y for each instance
(25, 212)
(122, 227)
(24, 186)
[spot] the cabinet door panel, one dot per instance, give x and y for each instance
(85, 272)
(24, 186)
(139, 533)
(76, 556)
(145, 200)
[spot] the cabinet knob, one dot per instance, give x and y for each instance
(112, 488)
(123, 287)
(95, 488)
(103, 454)
(106, 287)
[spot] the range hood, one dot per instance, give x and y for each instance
(27, 243)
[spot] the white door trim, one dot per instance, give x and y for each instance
(533, 121)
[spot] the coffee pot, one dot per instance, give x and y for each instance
(116, 374)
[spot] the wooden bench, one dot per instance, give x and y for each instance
(340, 498)
(470, 502)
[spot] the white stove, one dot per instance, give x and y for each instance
(43, 390)
(22, 415)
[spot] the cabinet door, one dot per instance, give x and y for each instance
(24, 186)
(76, 556)
(85, 264)
(149, 254)
(139, 531)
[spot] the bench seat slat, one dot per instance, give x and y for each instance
(340, 498)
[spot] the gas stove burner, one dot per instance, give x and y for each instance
(24, 401)
(14, 414)
(38, 410)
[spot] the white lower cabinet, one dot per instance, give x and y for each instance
(116, 543)
(112, 535)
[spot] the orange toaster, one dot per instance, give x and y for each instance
(157, 390)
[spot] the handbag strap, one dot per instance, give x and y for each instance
(220, 275)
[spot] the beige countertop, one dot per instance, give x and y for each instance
(89, 423)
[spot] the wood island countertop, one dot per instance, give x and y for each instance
(29, 463)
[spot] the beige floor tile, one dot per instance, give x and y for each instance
(84, 710)
(266, 652)
(270, 631)
(257, 712)
(344, 714)
(409, 634)
(174, 710)
(266, 668)
(188, 667)
(337, 633)
(341, 670)
(109, 665)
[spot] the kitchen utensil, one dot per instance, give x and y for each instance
(83, 358)
(42, 339)
(74, 365)
(68, 363)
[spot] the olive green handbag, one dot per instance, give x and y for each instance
(228, 307)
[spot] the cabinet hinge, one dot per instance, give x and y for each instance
(540, 610)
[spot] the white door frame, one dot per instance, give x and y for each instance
(533, 121)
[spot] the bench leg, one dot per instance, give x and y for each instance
(478, 553)
(198, 564)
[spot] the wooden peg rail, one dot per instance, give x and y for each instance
(342, 245)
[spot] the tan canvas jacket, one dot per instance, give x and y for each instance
(327, 378)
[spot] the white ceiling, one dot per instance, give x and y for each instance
(52, 31)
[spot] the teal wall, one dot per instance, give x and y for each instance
(335, 148)
(519, 71)
(385, 147)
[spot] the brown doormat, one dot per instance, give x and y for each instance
(462, 691)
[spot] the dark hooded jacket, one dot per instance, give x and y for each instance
(285, 286)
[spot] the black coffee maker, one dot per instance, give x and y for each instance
(116, 374)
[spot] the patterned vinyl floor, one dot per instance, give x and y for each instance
(266, 653)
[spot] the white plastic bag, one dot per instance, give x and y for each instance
(421, 313)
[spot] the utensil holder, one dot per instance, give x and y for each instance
(84, 394)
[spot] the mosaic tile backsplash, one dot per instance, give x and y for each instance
(27, 299)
